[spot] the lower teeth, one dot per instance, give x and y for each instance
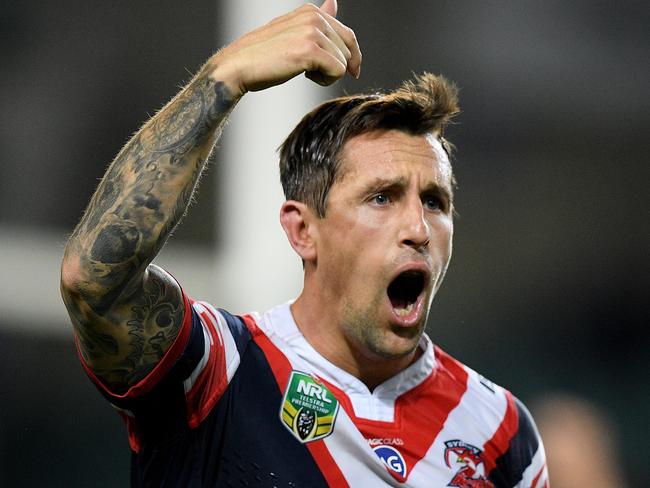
(405, 311)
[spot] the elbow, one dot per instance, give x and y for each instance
(80, 297)
(71, 283)
(92, 286)
(70, 274)
(77, 287)
(69, 289)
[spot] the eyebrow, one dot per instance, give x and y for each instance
(380, 183)
(400, 183)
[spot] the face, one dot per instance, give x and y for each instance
(385, 242)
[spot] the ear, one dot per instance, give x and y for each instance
(298, 222)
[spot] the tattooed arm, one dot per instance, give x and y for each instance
(126, 312)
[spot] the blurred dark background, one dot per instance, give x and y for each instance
(548, 287)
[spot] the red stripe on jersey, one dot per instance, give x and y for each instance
(281, 368)
(420, 413)
(331, 472)
(536, 479)
(500, 440)
(132, 430)
(278, 362)
(212, 381)
(161, 369)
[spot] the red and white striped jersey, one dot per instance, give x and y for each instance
(247, 401)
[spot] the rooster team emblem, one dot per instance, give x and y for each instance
(467, 460)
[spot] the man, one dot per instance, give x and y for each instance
(340, 387)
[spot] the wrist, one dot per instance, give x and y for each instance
(220, 69)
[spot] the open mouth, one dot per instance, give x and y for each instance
(404, 291)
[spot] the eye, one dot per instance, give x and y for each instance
(433, 203)
(381, 199)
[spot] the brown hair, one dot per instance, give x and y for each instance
(309, 157)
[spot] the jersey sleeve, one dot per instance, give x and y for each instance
(523, 464)
(187, 382)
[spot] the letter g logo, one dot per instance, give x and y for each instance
(392, 459)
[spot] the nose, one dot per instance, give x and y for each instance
(414, 230)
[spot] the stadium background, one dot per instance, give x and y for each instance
(547, 291)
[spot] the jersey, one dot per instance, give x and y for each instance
(247, 401)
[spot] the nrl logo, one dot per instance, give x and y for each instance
(308, 408)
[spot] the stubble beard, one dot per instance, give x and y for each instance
(365, 330)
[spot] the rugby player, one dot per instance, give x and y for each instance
(341, 386)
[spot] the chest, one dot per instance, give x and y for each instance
(286, 420)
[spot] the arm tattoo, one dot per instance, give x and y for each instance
(152, 322)
(142, 197)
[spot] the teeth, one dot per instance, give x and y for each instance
(403, 312)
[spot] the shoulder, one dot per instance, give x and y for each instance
(513, 452)
(479, 392)
(230, 333)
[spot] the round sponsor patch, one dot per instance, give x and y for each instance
(392, 459)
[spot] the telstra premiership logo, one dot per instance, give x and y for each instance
(308, 408)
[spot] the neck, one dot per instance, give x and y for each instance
(322, 329)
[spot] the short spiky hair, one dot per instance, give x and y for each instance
(309, 157)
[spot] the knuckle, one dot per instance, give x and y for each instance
(309, 49)
(352, 36)
(316, 19)
(311, 33)
(309, 7)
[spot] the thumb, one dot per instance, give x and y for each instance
(329, 7)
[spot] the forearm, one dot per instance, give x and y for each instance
(145, 192)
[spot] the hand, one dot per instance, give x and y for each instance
(309, 39)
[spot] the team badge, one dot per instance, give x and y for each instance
(469, 464)
(308, 408)
(392, 459)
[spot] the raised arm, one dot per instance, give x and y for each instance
(126, 312)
